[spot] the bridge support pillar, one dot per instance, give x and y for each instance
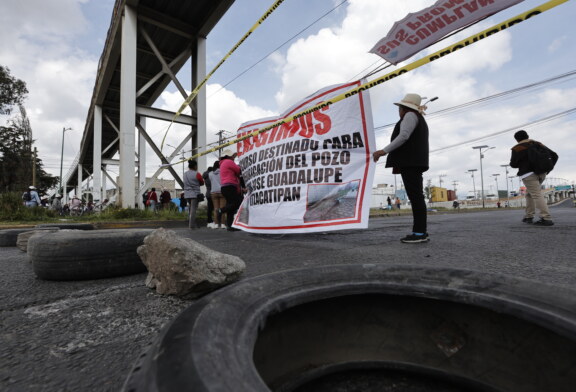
(198, 75)
(141, 164)
(97, 155)
(79, 186)
(126, 185)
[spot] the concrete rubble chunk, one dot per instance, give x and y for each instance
(183, 267)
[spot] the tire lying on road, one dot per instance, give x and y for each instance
(23, 238)
(70, 226)
(296, 330)
(8, 237)
(80, 255)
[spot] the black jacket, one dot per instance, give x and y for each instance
(519, 158)
(414, 152)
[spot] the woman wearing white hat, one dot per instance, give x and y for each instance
(408, 156)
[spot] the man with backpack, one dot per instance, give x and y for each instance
(534, 161)
(30, 197)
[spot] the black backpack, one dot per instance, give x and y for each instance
(541, 158)
(26, 196)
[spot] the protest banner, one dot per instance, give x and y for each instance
(421, 29)
(312, 173)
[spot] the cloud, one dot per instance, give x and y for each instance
(37, 46)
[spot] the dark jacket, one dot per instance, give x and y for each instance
(414, 152)
(519, 159)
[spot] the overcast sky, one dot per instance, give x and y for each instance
(55, 45)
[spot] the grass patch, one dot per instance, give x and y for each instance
(12, 209)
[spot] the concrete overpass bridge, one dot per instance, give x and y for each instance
(148, 42)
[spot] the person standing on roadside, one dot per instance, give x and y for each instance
(408, 156)
(230, 187)
(192, 182)
(532, 178)
(210, 208)
(218, 200)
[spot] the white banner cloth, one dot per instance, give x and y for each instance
(310, 174)
(421, 29)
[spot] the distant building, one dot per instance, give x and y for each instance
(438, 194)
(380, 195)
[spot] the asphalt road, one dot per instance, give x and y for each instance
(85, 336)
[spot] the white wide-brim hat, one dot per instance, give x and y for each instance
(31, 187)
(411, 101)
(227, 153)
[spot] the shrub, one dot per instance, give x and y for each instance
(13, 209)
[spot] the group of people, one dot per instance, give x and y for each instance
(31, 199)
(224, 191)
(397, 203)
(152, 201)
(408, 155)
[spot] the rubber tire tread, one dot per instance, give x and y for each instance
(67, 226)
(8, 237)
(83, 255)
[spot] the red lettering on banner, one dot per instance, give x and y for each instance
(307, 128)
(452, 3)
(325, 122)
(423, 33)
(288, 129)
(412, 40)
(261, 139)
(449, 19)
(401, 35)
(436, 25)
(437, 11)
(414, 25)
(484, 3)
(425, 18)
(472, 7)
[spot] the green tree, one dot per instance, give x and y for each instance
(12, 91)
(16, 157)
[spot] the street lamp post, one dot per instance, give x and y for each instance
(62, 159)
(507, 190)
(496, 178)
(471, 171)
(479, 148)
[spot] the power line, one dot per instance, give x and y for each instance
(516, 90)
(525, 125)
(284, 43)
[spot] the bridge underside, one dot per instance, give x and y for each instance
(148, 42)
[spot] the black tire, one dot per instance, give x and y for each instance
(8, 237)
(23, 238)
(247, 336)
(81, 255)
(69, 226)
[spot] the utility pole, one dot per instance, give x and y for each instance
(454, 183)
(220, 134)
(440, 176)
(471, 171)
(507, 190)
(35, 154)
(479, 148)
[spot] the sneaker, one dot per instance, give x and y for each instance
(527, 220)
(544, 222)
(413, 238)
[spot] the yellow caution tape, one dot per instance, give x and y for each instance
(418, 63)
(194, 92)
